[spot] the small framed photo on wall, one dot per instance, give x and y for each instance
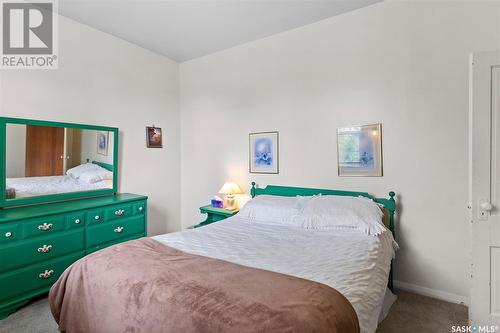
(359, 150)
(263, 152)
(102, 142)
(154, 137)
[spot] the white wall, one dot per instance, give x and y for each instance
(103, 80)
(15, 150)
(403, 64)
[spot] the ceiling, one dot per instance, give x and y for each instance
(187, 29)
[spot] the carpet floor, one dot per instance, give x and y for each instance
(410, 313)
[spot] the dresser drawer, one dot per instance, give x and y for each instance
(139, 208)
(75, 220)
(95, 216)
(40, 249)
(116, 212)
(9, 233)
(105, 245)
(34, 278)
(42, 226)
(108, 232)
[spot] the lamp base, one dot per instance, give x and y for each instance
(231, 203)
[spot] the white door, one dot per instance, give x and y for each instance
(485, 188)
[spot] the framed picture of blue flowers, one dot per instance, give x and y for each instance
(264, 152)
(359, 150)
(102, 142)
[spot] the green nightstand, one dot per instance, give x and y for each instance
(214, 215)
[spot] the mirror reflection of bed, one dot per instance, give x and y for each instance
(44, 160)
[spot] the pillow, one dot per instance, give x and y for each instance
(271, 208)
(97, 175)
(77, 171)
(337, 212)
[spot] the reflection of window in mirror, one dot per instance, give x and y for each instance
(39, 160)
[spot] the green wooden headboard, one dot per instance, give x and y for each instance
(106, 166)
(287, 191)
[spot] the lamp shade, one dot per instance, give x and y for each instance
(230, 188)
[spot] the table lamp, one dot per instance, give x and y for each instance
(230, 189)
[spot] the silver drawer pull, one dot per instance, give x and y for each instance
(97, 217)
(118, 229)
(45, 248)
(77, 221)
(119, 212)
(46, 274)
(8, 234)
(45, 226)
(141, 208)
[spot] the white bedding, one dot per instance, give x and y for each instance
(34, 186)
(355, 264)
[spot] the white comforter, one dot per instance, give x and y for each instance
(34, 186)
(353, 263)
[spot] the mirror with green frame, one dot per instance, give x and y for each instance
(45, 161)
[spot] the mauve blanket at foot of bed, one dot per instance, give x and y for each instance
(145, 286)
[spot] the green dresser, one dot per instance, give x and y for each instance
(37, 243)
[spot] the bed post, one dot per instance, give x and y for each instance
(392, 210)
(252, 190)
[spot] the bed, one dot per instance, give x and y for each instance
(35, 186)
(24, 187)
(252, 277)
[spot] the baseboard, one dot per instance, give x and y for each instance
(438, 294)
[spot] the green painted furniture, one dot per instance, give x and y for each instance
(388, 204)
(37, 243)
(214, 215)
(4, 202)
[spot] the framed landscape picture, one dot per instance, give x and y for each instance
(264, 155)
(360, 151)
(154, 137)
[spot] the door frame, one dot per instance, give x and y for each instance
(480, 131)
